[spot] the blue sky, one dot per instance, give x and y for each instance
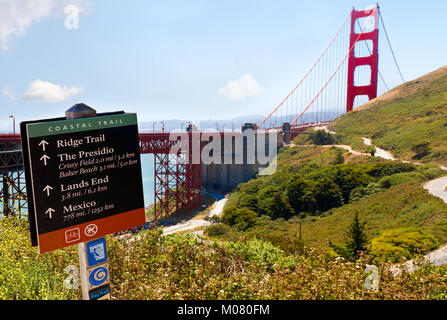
(174, 59)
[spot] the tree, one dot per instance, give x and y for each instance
(348, 178)
(277, 206)
(327, 194)
(358, 240)
(296, 190)
(249, 201)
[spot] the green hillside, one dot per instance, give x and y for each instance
(412, 114)
(327, 186)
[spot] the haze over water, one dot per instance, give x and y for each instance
(147, 168)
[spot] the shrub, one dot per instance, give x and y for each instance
(405, 242)
(382, 169)
(262, 253)
(245, 219)
(399, 178)
(362, 192)
(217, 229)
(26, 275)
(229, 215)
(339, 158)
(421, 149)
(431, 172)
(321, 137)
(241, 218)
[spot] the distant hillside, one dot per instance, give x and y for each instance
(412, 114)
(227, 124)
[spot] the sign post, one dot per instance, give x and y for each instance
(83, 173)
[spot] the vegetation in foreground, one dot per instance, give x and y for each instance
(184, 267)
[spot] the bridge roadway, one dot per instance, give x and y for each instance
(215, 177)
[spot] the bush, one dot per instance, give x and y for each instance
(245, 219)
(183, 267)
(431, 172)
(382, 169)
(229, 215)
(26, 275)
(241, 218)
(421, 149)
(217, 229)
(395, 244)
(262, 253)
(321, 137)
(362, 192)
(399, 178)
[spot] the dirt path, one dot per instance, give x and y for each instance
(379, 152)
(188, 225)
(435, 187)
(218, 207)
(216, 210)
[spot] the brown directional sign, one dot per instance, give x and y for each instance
(83, 178)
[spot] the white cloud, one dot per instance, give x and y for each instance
(50, 92)
(7, 92)
(241, 88)
(17, 16)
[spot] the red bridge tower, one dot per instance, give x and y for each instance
(372, 60)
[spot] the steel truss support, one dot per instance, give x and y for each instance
(177, 179)
(13, 200)
(13, 193)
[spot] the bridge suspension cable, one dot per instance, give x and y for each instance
(308, 73)
(390, 46)
(338, 68)
(324, 94)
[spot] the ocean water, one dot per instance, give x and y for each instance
(147, 168)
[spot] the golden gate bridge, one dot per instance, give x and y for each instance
(346, 75)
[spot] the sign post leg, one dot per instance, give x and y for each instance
(94, 275)
(82, 253)
(94, 270)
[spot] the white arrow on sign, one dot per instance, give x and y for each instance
(50, 211)
(45, 158)
(47, 190)
(43, 144)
